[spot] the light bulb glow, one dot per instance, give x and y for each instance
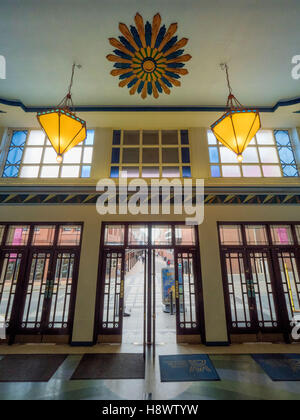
(59, 158)
(239, 158)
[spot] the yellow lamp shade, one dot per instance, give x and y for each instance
(236, 128)
(63, 128)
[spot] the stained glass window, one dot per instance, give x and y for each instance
(30, 155)
(269, 154)
(286, 153)
(150, 154)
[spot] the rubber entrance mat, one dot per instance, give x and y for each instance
(29, 367)
(187, 367)
(280, 367)
(111, 366)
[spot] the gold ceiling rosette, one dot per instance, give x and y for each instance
(148, 58)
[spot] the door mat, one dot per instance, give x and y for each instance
(280, 367)
(187, 367)
(29, 367)
(111, 366)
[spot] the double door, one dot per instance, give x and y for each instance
(37, 290)
(182, 296)
(262, 289)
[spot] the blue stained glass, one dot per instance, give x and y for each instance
(286, 155)
(85, 171)
(14, 155)
(282, 138)
(114, 172)
(215, 171)
(18, 138)
(116, 137)
(89, 141)
(115, 155)
(184, 134)
(185, 155)
(290, 170)
(186, 172)
(213, 154)
(11, 171)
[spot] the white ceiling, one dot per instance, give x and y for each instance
(40, 40)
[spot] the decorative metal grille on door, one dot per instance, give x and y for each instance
(185, 292)
(113, 291)
(9, 277)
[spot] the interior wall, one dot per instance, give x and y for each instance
(214, 309)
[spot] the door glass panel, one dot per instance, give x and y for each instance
(1, 232)
(113, 290)
(298, 233)
(17, 235)
(290, 282)
(114, 235)
(60, 289)
(8, 282)
(138, 235)
(186, 291)
(262, 284)
(36, 289)
(231, 235)
(184, 235)
(69, 235)
(256, 235)
(43, 235)
(238, 290)
(281, 235)
(162, 235)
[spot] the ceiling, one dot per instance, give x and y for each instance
(41, 39)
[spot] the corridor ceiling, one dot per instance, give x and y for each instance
(41, 39)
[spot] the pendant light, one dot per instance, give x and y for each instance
(237, 127)
(61, 125)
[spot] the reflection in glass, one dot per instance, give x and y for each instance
(43, 235)
(256, 235)
(114, 235)
(231, 235)
(138, 235)
(69, 235)
(281, 235)
(184, 235)
(162, 235)
(17, 235)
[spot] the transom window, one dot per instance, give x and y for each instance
(269, 154)
(150, 154)
(30, 155)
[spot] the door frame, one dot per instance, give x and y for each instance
(148, 247)
(282, 313)
(21, 287)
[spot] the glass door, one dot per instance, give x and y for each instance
(49, 298)
(10, 279)
(288, 269)
(187, 292)
(112, 292)
(249, 291)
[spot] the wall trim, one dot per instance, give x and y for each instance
(98, 108)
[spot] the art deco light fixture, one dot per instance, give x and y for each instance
(237, 127)
(61, 125)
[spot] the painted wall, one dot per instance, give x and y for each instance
(209, 251)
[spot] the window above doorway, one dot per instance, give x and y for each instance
(269, 154)
(30, 155)
(150, 154)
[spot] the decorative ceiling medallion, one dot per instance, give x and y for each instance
(149, 60)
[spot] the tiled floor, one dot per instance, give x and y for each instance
(241, 377)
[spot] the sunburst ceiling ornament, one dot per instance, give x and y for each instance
(148, 58)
